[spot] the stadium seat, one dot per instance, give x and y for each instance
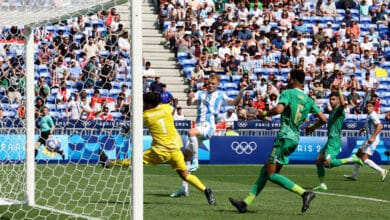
(232, 93)
(104, 92)
(224, 79)
(236, 79)
(61, 107)
(116, 115)
(230, 86)
(116, 85)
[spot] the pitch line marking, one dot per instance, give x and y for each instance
(353, 197)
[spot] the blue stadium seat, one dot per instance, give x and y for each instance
(116, 115)
(230, 86)
(224, 79)
(116, 85)
(236, 78)
(61, 107)
(104, 92)
(232, 93)
(99, 22)
(51, 107)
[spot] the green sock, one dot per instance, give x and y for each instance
(284, 182)
(249, 199)
(257, 186)
(346, 160)
(335, 163)
(320, 171)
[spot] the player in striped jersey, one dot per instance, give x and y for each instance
(209, 102)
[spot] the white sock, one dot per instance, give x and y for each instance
(373, 165)
(194, 147)
(355, 169)
(184, 183)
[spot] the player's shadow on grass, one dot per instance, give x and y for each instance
(233, 211)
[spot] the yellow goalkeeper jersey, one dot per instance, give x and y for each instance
(159, 121)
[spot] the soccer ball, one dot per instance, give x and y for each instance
(53, 144)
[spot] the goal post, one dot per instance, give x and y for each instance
(68, 181)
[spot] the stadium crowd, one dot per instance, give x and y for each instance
(339, 44)
(81, 68)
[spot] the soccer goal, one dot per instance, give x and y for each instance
(62, 56)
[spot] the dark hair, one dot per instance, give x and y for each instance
(334, 94)
(151, 98)
(298, 75)
(372, 102)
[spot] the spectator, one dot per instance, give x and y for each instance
(246, 66)
(380, 15)
(21, 111)
(369, 83)
(44, 55)
(156, 86)
(111, 17)
(241, 113)
(39, 104)
(353, 83)
(59, 72)
(148, 72)
(42, 90)
(178, 114)
(329, 9)
(197, 76)
(73, 108)
(229, 117)
(91, 49)
(123, 42)
(251, 110)
(16, 82)
(120, 102)
(354, 29)
(126, 91)
(106, 75)
(364, 8)
(326, 81)
(86, 112)
(105, 114)
(165, 95)
(354, 98)
(387, 116)
(366, 61)
(63, 94)
(90, 73)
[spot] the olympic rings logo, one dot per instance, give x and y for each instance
(351, 125)
(244, 147)
(242, 124)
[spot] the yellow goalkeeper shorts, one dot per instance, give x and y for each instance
(174, 158)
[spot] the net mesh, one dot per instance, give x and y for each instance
(82, 76)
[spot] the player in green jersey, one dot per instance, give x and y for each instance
(294, 106)
(327, 156)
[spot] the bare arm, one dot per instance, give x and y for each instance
(321, 121)
(236, 101)
(378, 129)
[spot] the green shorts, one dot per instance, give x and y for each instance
(282, 149)
(331, 148)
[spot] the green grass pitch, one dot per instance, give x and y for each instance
(366, 198)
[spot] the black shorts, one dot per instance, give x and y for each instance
(43, 137)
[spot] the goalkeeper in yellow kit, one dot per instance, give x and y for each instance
(166, 143)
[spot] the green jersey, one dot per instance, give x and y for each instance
(46, 123)
(335, 122)
(297, 107)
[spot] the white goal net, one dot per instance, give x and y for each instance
(65, 81)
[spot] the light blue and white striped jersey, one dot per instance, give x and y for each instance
(209, 105)
(371, 123)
